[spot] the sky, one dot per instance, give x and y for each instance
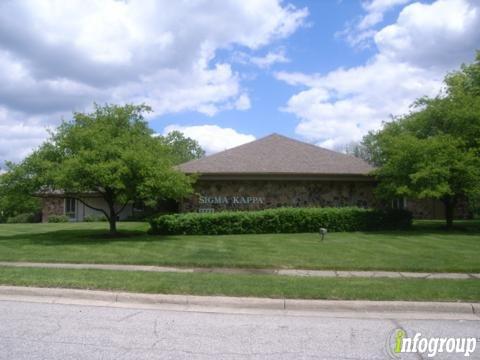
(227, 72)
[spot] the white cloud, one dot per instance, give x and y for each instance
(342, 105)
(376, 9)
(441, 34)
(265, 61)
(242, 103)
(59, 56)
(272, 57)
(360, 32)
(212, 138)
(17, 138)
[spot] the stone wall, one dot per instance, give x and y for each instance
(52, 206)
(56, 206)
(218, 195)
(434, 209)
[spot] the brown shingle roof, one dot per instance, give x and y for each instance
(277, 154)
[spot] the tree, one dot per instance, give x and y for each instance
(358, 150)
(434, 151)
(183, 149)
(16, 196)
(110, 152)
(435, 167)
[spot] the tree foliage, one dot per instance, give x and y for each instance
(434, 151)
(111, 152)
(182, 149)
(16, 195)
(358, 150)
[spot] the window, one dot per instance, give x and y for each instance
(399, 203)
(70, 207)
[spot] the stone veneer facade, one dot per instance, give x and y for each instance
(55, 205)
(434, 209)
(218, 195)
(52, 206)
(263, 194)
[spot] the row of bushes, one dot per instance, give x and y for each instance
(24, 218)
(58, 219)
(64, 218)
(281, 220)
(35, 218)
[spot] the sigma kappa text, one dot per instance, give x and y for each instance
(233, 200)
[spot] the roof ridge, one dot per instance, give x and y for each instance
(317, 147)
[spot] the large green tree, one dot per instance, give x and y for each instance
(110, 152)
(182, 148)
(434, 151)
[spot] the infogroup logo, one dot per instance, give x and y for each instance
(398, 342)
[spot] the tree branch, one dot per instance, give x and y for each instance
(121, 209)
(92, 207)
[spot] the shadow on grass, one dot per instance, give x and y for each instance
(62, 237)
(440, 226)
(434, 227)
(102, 236)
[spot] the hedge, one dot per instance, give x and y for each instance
(23, 218)
(58, 219)
(95, 218)
(281, 220)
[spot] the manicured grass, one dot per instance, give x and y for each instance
(246, 285)
(427, 247)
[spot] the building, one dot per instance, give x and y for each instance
(274, 171)
(278, 171)
(57, 203)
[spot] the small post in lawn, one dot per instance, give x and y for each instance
(322, 232)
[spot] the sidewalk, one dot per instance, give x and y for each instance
(284, 272)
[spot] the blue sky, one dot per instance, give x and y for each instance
(313, 48)
(228, 71)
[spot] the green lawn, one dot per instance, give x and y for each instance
(247, 285)
(425, 248)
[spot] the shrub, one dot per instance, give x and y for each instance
(281, 220)
(58, 219)
(95, 218)
(137, 217)
(22, 218)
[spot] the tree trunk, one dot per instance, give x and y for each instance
(112, 218)
(113, 224)
(449, 208)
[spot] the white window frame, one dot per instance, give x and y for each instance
(399, 203)
(67, 206)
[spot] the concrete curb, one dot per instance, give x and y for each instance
(380, 306)
(244, 302)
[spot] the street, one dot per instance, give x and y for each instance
(35, 330)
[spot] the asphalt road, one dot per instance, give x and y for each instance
(30, 330)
